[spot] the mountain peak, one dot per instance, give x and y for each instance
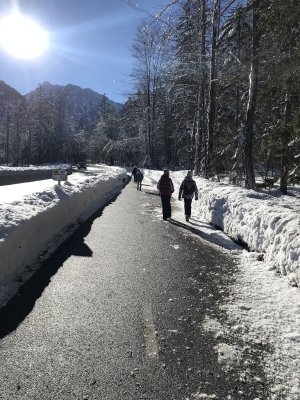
(46, 83)
(80, 104)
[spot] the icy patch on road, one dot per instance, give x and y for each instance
(213, 326)
(229, 356)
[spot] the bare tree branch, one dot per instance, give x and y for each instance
(228, 6)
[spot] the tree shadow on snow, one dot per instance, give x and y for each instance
(20, 306)
(153, 193)
(211, 235)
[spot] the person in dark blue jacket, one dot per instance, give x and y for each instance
(134, 171)
(139, 176)
(187, 190)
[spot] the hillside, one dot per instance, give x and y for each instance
(80, 103)
(8, 95)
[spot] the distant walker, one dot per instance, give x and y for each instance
(139, 176)
(187, 190)
(166, 188)
(134, 171)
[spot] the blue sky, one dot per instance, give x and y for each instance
(90, 44)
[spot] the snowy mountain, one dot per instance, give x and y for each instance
(8, 96)
(82, 104)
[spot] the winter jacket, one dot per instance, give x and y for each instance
(188, 188)
(165, 186)
(134, 171)
(139, 176)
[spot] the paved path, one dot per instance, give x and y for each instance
(125, 309)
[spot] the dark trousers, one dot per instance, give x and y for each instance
(166, 206)
(188, 207)
(139, 186)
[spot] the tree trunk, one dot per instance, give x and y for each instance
(285, 138)
(288, 118)
(199, 132)
(201, 114)
(238, 95)
(211, 115)
(7, 141)
(251, 107)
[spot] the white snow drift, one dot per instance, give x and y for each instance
(39, 222)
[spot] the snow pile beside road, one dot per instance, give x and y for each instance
(13, 175)
(4, 169)
(257, 220)
(40, 221)
(264, 223)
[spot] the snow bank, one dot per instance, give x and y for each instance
(263, 223)
(41, 221)
(256, 220)
(5, 170)
(11, 175)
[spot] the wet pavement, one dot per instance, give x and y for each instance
(129, 307)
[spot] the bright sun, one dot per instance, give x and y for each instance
(21, 37)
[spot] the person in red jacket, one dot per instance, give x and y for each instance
(187, 190)
(165, 188)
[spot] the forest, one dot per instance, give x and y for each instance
(215, 88)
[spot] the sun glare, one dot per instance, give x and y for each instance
(21, 37)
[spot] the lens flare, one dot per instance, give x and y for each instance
(21, 37)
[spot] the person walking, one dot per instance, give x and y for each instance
(134, 171)
(139, 176)
(165, 188)
(187, 190)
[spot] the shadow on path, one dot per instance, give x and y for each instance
(211, 235)
(20, 306)
(154, 194)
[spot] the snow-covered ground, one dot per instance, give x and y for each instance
(264, 307)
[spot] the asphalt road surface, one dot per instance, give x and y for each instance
(117, 313)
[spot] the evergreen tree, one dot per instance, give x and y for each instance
(280, 97)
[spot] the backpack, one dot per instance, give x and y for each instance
(139, 176)
(188, 187)
(165, 186)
